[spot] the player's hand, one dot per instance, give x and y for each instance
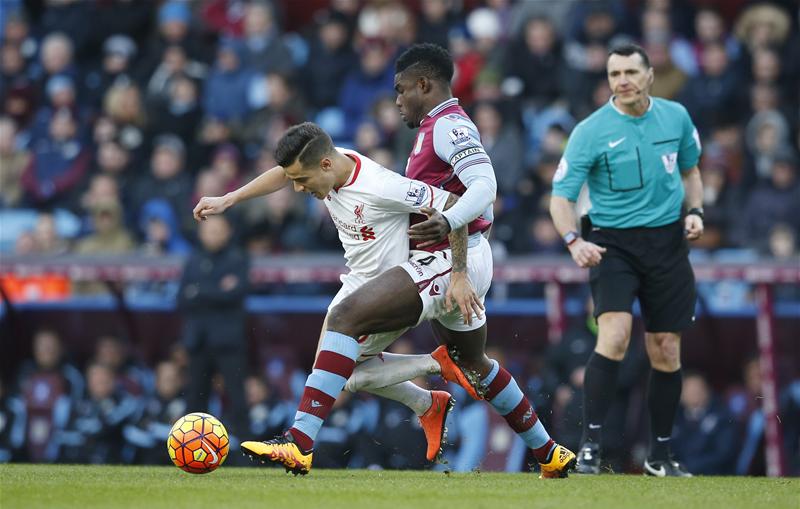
(431, 231)
(210, 205)
(461, 292)
(693, 226)
(586, 254)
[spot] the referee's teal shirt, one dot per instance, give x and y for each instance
(633, 164)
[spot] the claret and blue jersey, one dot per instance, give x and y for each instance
(633, 165)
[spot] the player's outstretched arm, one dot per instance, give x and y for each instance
(266, 183)
(585, 254)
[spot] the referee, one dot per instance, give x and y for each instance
(638, 155)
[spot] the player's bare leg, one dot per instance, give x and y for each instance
(465, 352)
(369, 310)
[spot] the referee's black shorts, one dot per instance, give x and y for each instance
(651, 264)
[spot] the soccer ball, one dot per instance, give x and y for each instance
(198, 443)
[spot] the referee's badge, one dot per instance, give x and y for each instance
(670, 160)
(561, 171)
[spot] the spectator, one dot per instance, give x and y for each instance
(704, 430)
(264, 51)
(174, 29)
(13, 70)
(109, 235)
(119, 51)
(670, 78)
(160, 230)
(714, 89)
(112, 160)
(783, 243)
(122, 105)
(56, 58)
(179, 112)
(771, 203)
(212, 291)
(130, 376)
(13, 161)
(61, 95)
(657, 29)
(267, 414)
(173, 63)
(44, 239)
(94, 432)
(709, 28)
(48, 385)
(766, 136)
(167, 178)
(12, 430)
(435, 21)
(502, 143)
(70, 17)
(363, 86)
(535, 59)
(225, 92)
(159, 412)
(274, 103)
(59, 162)
(330, 58)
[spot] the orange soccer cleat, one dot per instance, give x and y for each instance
(452, 373)
(433, 423)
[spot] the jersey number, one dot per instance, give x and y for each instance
(427, 260)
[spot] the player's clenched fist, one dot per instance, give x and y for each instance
(210, 205)
(586, 254)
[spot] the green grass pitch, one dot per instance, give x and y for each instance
(110, 487)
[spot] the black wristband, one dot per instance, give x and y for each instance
(696, 212)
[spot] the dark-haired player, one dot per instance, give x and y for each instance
(638, 155)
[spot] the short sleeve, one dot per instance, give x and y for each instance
(574, 166)
(690, 148)
(404, 195)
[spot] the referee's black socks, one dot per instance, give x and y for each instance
(663, 396)
(599, 388)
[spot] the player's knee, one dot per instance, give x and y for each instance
(340, 319)
(667, 353)
(613, 344)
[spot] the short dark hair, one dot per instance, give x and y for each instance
(306, 142)
(430, 60)
(629, 49)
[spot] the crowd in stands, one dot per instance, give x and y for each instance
(117, 115)
(116, 409)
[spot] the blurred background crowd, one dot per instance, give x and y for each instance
(117, 115)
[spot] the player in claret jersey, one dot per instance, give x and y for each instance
(448, 154)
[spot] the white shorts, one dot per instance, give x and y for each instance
(373, 344)
(431, 274)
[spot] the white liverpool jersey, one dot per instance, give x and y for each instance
(371, 212)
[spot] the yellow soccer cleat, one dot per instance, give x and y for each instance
(280, 450)
(560, 464)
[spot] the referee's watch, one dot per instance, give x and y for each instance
(570, 237)
(696, 211)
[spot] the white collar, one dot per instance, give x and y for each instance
(442, 105)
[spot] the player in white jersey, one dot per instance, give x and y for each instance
(370, 206)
